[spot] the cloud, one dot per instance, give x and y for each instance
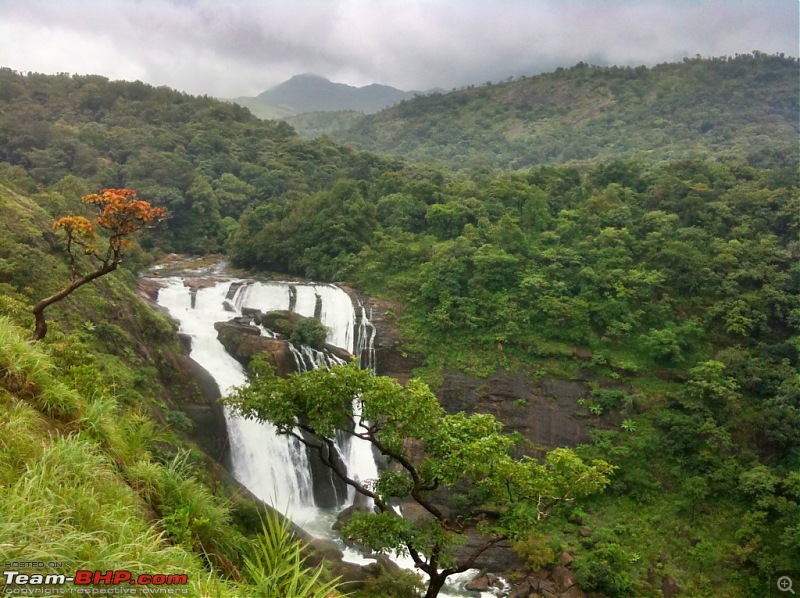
(242, 47)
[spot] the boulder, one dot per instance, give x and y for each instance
(148, 289)
(522, 590)
(562, 578)
(256, 314)
(545, 587)
(565, 559)
(347, 513)
(480, 583)
(281, 322)
(338, 352)
(243, 341)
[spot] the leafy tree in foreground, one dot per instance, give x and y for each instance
(427, 449)
(121, 214)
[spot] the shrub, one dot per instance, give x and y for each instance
(604, 569)
(276, 566)
(536, 551)
(311, 332)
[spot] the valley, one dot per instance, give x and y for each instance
(601, 260)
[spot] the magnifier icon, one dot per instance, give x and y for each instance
(785, 584)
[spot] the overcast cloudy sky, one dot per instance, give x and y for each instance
(242, 47)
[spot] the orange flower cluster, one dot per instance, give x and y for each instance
(120, 213)
(75, 225)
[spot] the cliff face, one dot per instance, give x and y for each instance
(545, 411)
(390, 359)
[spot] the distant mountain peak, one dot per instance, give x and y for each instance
(306, 76)
(309, 92)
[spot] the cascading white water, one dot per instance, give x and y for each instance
(334, 308)
(275, 468)
(365, 349)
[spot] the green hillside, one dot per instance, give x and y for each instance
(96, 472)
(698, 108)
(671, 291)
(202, 159)
(664, 281)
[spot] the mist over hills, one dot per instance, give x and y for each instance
(314, 93)
(700, 107)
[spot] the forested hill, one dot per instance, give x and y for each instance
(202, 159)
(669, 289)
(697, 108)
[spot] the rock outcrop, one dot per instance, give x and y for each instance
(390, 357)
(242, 340)
(544, 411)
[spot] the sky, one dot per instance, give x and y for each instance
(242, 47)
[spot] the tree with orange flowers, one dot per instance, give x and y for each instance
(122, 215)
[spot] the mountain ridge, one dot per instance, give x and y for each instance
(696, 108)
(309, 92)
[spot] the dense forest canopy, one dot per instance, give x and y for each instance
(660, 265)
(708, 108)
(201, 159)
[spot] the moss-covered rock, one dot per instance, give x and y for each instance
(242, 341)
(298, 329)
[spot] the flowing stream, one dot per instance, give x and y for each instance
(276, 468)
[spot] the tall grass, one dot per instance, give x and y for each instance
(81, 484)
(191, 515)
(29, 373)
(276, 566)
(62, 498)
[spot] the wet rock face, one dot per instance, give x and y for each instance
(543, 411)
(243, 341)
(390, 358)
(330, 491)
(209, 429)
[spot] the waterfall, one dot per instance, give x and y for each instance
(275, 468)
(365, 347)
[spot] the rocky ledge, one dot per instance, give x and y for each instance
(243, 341)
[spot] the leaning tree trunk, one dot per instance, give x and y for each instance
(40, 329)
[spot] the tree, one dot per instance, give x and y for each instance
(427, 450)
(121, 214)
